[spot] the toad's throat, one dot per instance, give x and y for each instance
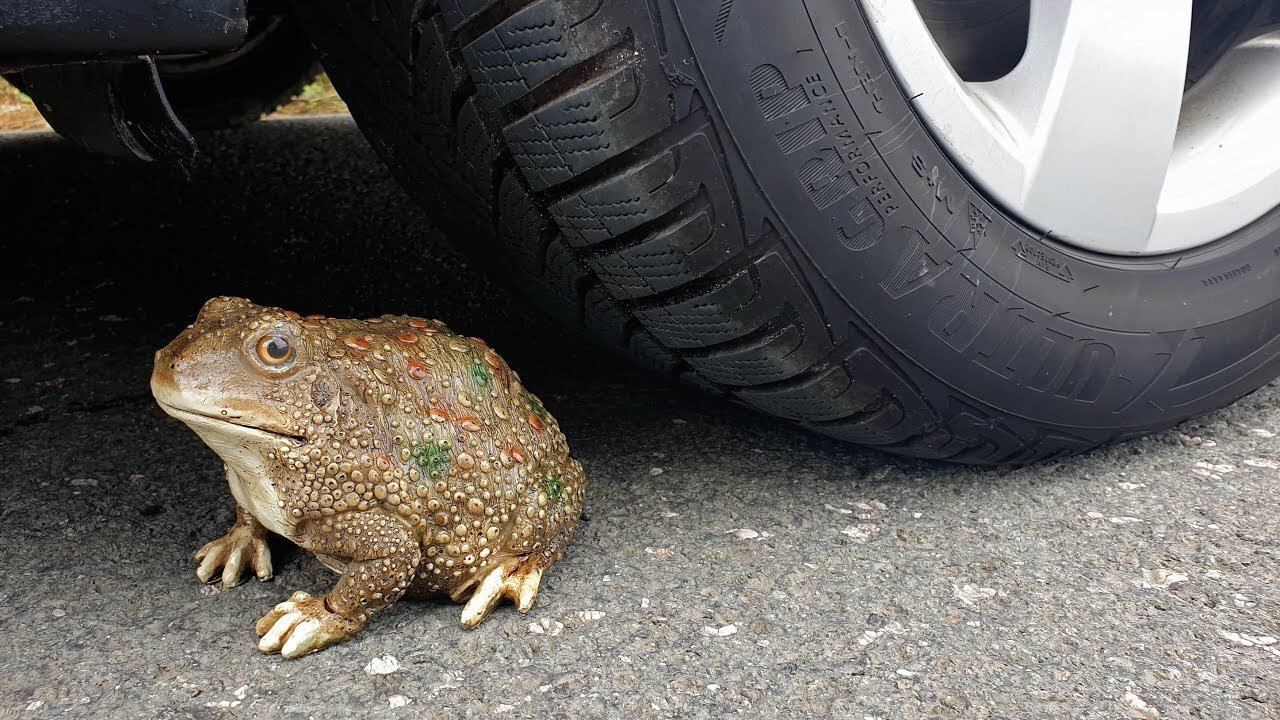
(200, 418)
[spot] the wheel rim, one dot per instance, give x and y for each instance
(1092, 137)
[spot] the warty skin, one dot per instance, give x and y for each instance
(409, 459)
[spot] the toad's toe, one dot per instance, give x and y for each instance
(302, 625)
(516, 580)
(231, 552)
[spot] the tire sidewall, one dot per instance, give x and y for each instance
(1006, 316)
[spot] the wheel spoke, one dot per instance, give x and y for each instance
(1094, 107)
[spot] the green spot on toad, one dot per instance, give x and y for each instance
(537, 408)
(555, 488)
(431, 456)
(479, 374)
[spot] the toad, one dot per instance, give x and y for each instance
(409, 459)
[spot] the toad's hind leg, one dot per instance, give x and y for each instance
(516, 580)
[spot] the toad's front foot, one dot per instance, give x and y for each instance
(302, 625)
(246, 541)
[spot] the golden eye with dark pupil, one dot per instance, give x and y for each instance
(274, 350)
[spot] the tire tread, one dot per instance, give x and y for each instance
(606, 186)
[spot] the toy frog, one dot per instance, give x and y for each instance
(409, 459)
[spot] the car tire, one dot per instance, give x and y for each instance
(739, 194)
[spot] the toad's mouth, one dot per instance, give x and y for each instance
(224, 419)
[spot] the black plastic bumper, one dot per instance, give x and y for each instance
(42, 32)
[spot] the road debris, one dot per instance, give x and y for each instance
(1161, 578)
(546, 626)
(970, 594)
(384, 665)
(722, 631)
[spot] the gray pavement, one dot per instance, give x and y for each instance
(729, 565)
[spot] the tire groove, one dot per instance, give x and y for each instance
(602, 63)
(637, 155)
(646, 231)
(728, 271)
(487, 19)
(755, 338)
(883, 400)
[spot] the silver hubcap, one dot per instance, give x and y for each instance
(1091, 137)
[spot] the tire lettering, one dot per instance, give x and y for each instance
(1228, 275)
(932, 179)
(1037, 357)
(1089, 372)
(837, 169)
(826, 179)
(774, 96)
(865, 79)
(867, 227)
(916, 267)
(978, 223)
(800, 136)
(1018, 334)
(958, 319)
(1044, 260)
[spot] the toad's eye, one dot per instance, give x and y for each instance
(274, 350)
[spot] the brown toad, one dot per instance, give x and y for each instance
(409, 459)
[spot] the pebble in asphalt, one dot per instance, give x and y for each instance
(729, 565)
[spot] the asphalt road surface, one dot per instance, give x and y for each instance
(729, 565)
